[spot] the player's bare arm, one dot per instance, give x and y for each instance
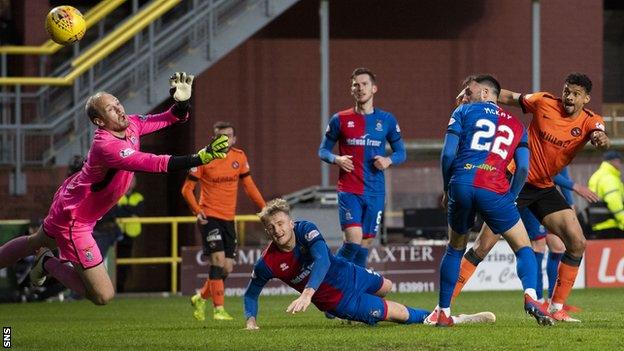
(600, 140)
(508, 97)
(345, 162)
(302, 302)
(382, 162)
(584, 192)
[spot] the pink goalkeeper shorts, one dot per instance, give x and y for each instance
(74, 240)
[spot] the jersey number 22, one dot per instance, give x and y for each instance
(479, 139)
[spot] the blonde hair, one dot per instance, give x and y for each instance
(272, 207)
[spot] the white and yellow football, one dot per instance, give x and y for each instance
(65, 24)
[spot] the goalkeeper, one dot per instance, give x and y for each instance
(87, 195)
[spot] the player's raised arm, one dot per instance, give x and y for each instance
(600, 140)
(259, 277)
(180, 88)
(508, 97)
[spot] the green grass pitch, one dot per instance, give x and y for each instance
(167, 324)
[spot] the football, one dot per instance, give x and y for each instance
(65, 24)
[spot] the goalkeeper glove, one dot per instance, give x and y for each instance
(180, 90)
(216, 149)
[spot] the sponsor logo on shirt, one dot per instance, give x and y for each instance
(311, 235)
(224, 179)
(576, 131)
(483, 166)
(305, 272)
(126, 152)
(363, 141)
(553, 140)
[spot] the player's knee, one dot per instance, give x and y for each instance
(386, 287)
(577, 245)
(103, 297)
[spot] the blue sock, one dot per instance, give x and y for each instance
(361, 257)
(348, 251)
(449, 272)
(539, 258)
(416, 315)
(552, 266)
(526, 267)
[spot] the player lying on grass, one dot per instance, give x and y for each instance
(299, 256)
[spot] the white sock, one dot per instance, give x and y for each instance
(447, 311)
(556, 306)
(532, 293)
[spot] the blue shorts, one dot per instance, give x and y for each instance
(361, 211)
(358, 302)
(535, 229)
(497, 210)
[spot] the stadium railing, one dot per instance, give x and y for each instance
(174, 259)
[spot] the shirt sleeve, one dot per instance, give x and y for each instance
(151, 123)
(115, 153)
(332, 133)
(596, 122)
(530, 102)
(398, 155)
(188, 190)
(259, 277)
(320, 253)
(521, 160)
(451, 142)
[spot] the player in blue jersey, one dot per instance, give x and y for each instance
(361, 133)
(481, 141)
(539, 237)
(299, 256)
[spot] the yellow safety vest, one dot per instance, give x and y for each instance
(131, 229)
(606, 183)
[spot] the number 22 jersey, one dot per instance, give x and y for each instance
(488, 138)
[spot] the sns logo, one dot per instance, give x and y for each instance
(311, 235)
(6, 337)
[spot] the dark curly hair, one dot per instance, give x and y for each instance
(581, 80)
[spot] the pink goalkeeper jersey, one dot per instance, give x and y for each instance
(109, 168)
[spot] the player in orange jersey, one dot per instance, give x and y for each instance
(215, 217)
(559, 129)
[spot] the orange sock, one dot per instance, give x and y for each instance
(566, 275)
(466, 270)
(217, 289)
(205, 290)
